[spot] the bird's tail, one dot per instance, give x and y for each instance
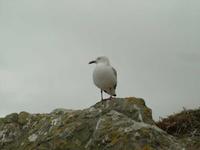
(113, 92)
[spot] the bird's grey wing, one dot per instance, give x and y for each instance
(115, 73)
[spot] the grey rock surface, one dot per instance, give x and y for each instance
(118, 124)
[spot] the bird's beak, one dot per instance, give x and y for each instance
(92, 62)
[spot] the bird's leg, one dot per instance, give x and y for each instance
(101, 94)
(110, 95)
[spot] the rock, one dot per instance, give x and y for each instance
(11, 118)
(184, 125)
(23, 118)
(118, 124)
(61, 111)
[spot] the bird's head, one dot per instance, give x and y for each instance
(100, 60)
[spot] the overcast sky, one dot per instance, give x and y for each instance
(45, 47)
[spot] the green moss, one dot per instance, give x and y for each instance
(147, 147)
(137, 101)
(115, 136)
(145, 132)
(1, 121)
(23, 118)
(11, 118)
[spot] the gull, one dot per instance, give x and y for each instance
(104, 76)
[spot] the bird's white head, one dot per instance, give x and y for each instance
(101, 60)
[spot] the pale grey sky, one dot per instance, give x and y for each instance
(46, 46)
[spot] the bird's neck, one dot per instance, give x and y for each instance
(103, 64)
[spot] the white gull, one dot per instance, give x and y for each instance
(104, 76)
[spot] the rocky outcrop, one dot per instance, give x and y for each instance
(185, 126)
(118, 124)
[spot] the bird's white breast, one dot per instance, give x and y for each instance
(103, 77)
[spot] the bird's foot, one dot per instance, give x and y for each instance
(110, 98)
(103, 100)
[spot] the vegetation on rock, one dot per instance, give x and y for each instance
(118, 124)
(185, 126)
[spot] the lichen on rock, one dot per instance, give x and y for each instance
(118, 124)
